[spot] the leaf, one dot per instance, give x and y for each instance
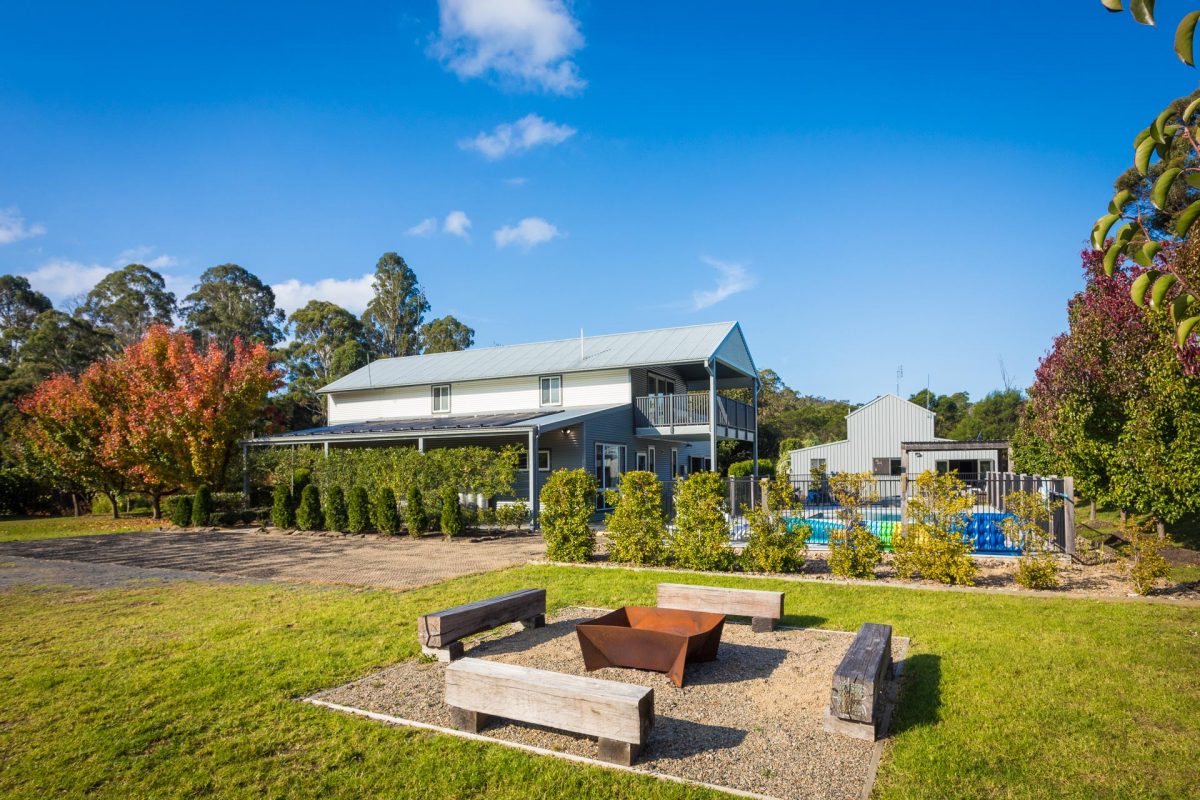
(1141, 137)
(1193, 179)
(1111, 5)
(1149, 251)
(1186, 219)
(1141, 156)
(1162, 187)
(1184, 37)
(1185, 330)
(1101, 228)
(1180, 306)
(1120, 199)
(1160, 122)
(1161, 287)
(1110, 258)
(1140, 284)
(1142, 10)
(1192, 106)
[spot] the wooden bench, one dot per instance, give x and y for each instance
(440, 632)
(858, 682)
(620, 715)
(765, 609)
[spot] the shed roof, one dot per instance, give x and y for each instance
(723, 340)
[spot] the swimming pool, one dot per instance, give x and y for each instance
(983, 529)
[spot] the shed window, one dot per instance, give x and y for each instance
(552, 390)
(885, 465)
(441, 399)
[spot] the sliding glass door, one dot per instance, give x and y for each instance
(610, 463)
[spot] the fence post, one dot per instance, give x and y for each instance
(732, 497)
(1068, 508)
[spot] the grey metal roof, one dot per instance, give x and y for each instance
(611, 351)
(432, 426)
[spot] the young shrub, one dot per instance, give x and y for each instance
(335, 510)
(935, 547)
(637, 525)
(384, 514)
(308, 514)
(568, 501)
(513, 515)
(1036, 568)
(771, 546)
(854, 552)
(414, 512)
(701, 537)
(358, 510)
(452, 515)
(282, 515)
(202, 507)
(1146, 563)
(179, 509)
(486, 517)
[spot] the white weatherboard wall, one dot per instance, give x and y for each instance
(873, 431)
(924, 460)
(492, 396)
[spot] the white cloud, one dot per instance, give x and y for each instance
(425, 227)
(13, 227)
(352, 294)
(144, 255)
(525, 134)
(61, 278)
(732, 278)
(526, 233)
(457, 224)
(526, 44)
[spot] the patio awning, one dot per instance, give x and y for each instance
(408, 429)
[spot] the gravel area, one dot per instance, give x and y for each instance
(18, 571)
(751, 720)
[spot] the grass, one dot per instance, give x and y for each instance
(188, 689)
(16, 529)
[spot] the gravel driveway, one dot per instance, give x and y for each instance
(399, 563)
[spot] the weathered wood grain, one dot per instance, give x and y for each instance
(764, 608)
(859, 679)
(608, 710)
(440, 629)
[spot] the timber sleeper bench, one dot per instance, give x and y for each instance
(619, 715)
(765, 609)
(441, 632)
(855, 703)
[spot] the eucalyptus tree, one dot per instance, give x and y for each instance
(127, 302)
(229, 303)
(394, 315)
(445, 335)
(20, 305)
(326, 344)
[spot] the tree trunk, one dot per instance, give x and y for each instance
(1124, 518)
(155, 506)
(75, 503)
(1092, 512)
(112, 501)
(1162, 529)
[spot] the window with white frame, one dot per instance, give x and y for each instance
(551, 390)
(441, 399)
(543, 461)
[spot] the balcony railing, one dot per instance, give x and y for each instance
(676, 410)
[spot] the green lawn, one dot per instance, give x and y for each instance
(15, 529)
(188, 689)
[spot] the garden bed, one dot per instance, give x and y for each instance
(750, 721)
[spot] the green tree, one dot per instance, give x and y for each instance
(57, 343)
(20, 305)
(127, 302)
(445, 335)
(949, 408)
(994, 417)
(701, 536)
(335, 509)
(282, 513)
(452, 515)
(326, 344)
(230, 303)
(568, 500)
(414, 511)
(202, 507)
(308, 514)
(637, 527)
(358, 511)
(394, 315)
(384, 514)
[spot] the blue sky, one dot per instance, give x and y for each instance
(862, 185)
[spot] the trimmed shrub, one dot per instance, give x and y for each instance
(414, 512)
(485, 517)
(701, 538)
(637, 525)
(335, 510)
(179, 510)
(282, 514)
(745, 469)
(513, 515)
(383, 512)
(935, 547)
(358, 510)
(301, 477)
(1028, 511)
(202, 507)
(308, 514)
(568, 500)
(452, 516)
(771, 547)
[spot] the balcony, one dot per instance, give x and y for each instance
(687, 416)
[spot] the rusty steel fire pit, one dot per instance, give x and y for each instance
(657, 639)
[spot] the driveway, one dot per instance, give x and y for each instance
(399, 563)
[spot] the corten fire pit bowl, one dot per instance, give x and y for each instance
(658, 639)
